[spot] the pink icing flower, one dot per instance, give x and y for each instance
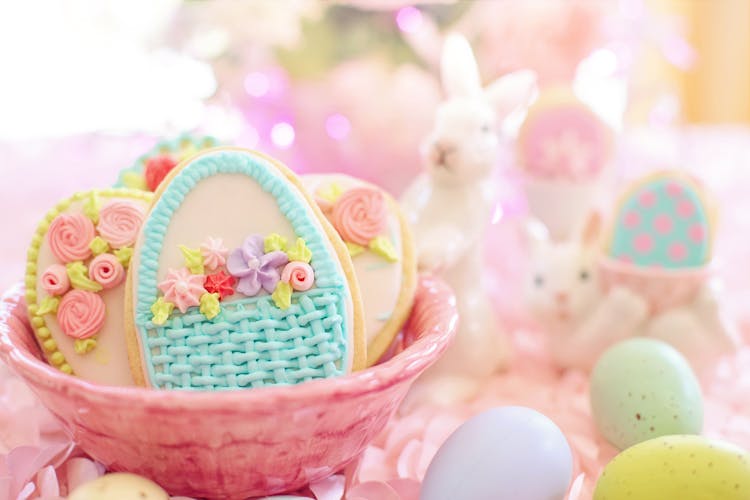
(55, 280)
(298, 274)
(69, 237)
(119, 223)
(106, 270)
(81, 314)
(182, 288)
(214, 253)
(360, 215)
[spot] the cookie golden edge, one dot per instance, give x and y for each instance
(359, 343)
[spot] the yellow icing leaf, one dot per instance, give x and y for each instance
(99, 246)
(91, 207)
(210, 307)
(330, 193)
(299, 251)
(282, 296)
(187, 150)
(354, 249)
(84, 346)
(161, 310)
(134, 180)
(193, 259)
(383, 247)
(48, 305)
(78, 274)
(273, 242)
(123, 255)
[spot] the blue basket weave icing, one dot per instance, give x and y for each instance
(251, 343)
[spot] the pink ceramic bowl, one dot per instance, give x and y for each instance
(663, 288)
(234, 444)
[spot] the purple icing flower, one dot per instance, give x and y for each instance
(254, 268)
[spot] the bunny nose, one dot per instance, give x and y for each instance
(561, 297)
(443, 147)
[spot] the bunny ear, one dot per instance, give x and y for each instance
(511, 92)
(536, 232)
(592, 230)
(458, 68)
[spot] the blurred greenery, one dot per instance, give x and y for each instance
(344, 33)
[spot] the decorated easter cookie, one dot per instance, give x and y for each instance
(239, 281)
(662, 221)
(381, 246)
(150, 169)
(75, 282)
(562, 139)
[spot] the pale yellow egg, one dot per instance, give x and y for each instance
(119, 486)
(677, 468)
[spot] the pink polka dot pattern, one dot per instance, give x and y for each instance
(647, 199)
(632, 219)
(677, 251)
(643, 243)
(662, 223)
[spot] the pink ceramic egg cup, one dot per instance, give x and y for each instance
(234, 444)
(662, 288)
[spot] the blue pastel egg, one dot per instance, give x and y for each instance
(504, 453)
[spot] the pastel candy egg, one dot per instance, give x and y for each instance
(662, 221)
(509, 452)
(119, 486)
(643, 388)
(677, 467)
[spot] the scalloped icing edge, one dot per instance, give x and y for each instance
(42, 334)
(359, 343)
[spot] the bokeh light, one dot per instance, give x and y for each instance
(409, 19)
(338, 127)
(282, 135)
(257, 84)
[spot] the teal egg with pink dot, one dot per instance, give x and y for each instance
(662, 222)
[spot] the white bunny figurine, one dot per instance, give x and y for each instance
(451, 204)
(582, 320)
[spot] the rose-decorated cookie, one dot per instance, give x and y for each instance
(662, 221)
(75, 282)
(562, 139)
(380, 242)
(150, 169)
(239, 281)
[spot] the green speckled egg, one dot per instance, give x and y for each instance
(677, 468)
(643, 388)
(662, 221)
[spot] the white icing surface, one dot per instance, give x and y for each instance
(108, 362)
(379, 280)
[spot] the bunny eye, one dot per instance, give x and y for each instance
(485, 128)
(539, 280)
(584, 275)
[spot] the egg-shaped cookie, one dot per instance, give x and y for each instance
(239, 281)
(75, 282)
(663, 221)
(381, 245)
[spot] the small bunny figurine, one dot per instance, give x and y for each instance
(451, 204)
(564, 292)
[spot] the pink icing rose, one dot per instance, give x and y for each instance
(298, 274)
(182, 288)
(106, 270)
(69, 237)
(55, 280)
(214, 253)
(81, 314)
(360, 215)
(119, 223)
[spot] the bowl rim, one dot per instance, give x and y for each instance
(429, 344)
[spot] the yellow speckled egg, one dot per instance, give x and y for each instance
(119, 486)
(677, 468)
